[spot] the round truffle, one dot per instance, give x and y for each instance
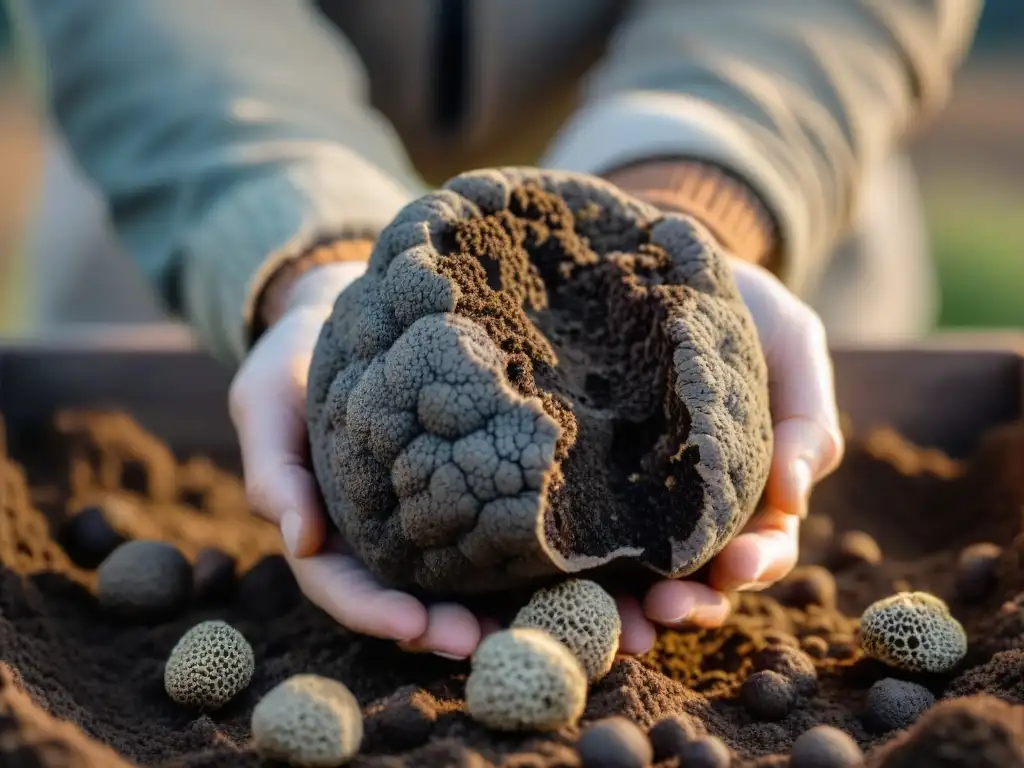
(614, 742)
(210, 665)
(537, 375)
(825, 747)
(768, 696)
(708, 752)
(213, 575)
(809, 585)
(913, 631)
(814, 646)
(581, 616)
(791, 663)
(854, 548)
(144, 580)
(893, 704)
(525, 680)
(977, 571)
(668, 735)
(88, 537)
(308, 721)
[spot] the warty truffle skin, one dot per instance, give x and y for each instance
(538, 375)
(210, 665)
(893, 704)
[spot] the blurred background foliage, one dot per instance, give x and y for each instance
(971, 162)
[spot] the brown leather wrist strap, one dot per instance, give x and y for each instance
(720, 201)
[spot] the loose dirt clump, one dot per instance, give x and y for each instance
(77, 684)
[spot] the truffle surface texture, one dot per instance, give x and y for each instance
(538, 375)
(580, 615)
(525, 680)
(708, 752)
(913, 631)
(144, 580)
(210, 665)
(308, 721)
(668, 735)
(768, 696)
(791, 663)
(825, 747)
(893, 704)
(614, 742)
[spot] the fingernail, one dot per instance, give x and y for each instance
(803, 476)
(683, 616)
(449, 656)
(291, 531)
(752, 586)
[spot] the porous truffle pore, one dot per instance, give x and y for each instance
(525, 680)
(913, 631)
(580, 615)
(209, 666)
(308, 721)
(537, 375)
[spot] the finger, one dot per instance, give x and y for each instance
(678, 603)
(343, 588)
(452, 632)
(764, 553)
(638, 633)
(804, 452)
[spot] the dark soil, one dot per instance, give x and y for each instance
(75, 685)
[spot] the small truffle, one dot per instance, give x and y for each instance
(814, 646)
(893, 704)
(614, 742)
(817, 533)
(913, 631)
(581, 616)
(524, 679)
(809, 585)
(308, 721)
(668, 735)
(213, 575)
(825, 747)
(855, 548)
(88, 538)
(209, 666)
(708, 752)
(977, 571)
(768, 696)
(791, 663)
(144, 580)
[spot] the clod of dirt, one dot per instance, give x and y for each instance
(525, 680)
(913, 631)
(1001, 676)
(308, 721)
(88, 537)
(768, 696)
(855, 548)
(538, 375)
(792, 663)
(976, 732)
(977, 571)
(893, 704)
(668, 735)
(708, 752)
(210, 665)
(614, 742)
(809, 585)
(580, 615)
(825, 747)
(145, 580)
(213, 575)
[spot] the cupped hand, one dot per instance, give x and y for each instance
(268, 406)
(808, 446)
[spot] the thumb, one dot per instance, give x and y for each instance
(805, 451)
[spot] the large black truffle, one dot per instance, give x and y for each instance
(538, 374)
(893, 704)
(614, 742)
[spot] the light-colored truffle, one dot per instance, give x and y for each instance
(580, 615)
(913, 631)
(525, 680)
(308, 721)
(209, 666)
(144, 580)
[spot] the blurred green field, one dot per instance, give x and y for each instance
(978, 237)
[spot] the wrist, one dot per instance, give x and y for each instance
(723, 203)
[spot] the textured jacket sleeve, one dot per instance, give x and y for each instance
(801, 99)
(226, 135)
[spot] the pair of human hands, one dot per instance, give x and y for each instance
(268, 406)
